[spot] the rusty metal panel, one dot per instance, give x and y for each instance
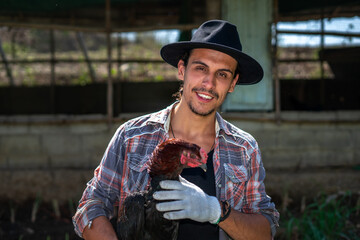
(253, 20)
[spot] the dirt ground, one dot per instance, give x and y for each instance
(18, 221)
(47, 224)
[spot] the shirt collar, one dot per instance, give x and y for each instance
(221, 125)
(164, 116)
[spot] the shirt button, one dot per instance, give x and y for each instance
(219, 185)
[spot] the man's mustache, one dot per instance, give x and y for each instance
(211, 92)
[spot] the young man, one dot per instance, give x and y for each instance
(229, 201)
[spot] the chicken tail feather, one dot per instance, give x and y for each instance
(131, 220)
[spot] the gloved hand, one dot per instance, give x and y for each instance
(190, 201)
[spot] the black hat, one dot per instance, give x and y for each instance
(221, 36)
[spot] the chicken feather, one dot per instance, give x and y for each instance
(138, 217)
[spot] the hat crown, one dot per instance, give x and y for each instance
(218, 32)
(221, 36)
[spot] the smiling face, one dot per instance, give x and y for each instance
(208, 77)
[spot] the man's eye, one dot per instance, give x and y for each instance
(222, 75)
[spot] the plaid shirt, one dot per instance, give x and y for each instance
(238, 169)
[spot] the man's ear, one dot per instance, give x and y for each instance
(181, 70)
(233, 83)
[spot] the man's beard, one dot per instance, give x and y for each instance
(199, 113)
(192, 108)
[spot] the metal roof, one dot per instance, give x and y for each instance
(91, 15)
(137, 15)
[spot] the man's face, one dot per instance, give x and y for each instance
(208, 77)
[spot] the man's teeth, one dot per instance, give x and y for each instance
(204, 96)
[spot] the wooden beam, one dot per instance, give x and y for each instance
(94, 60)
(99, 29)
(329, 12)
(297, 60)
(333, 33)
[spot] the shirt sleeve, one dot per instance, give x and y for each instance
(255, 198)
(103, 190)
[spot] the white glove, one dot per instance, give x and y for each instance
(190, 202)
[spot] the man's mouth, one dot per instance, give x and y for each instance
(205, 96)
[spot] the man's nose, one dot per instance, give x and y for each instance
(209, 81)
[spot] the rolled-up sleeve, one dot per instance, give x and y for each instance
(244, 173)
(103, 190)
(273, 216)
(256, 198)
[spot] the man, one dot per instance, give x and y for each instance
(230, 199)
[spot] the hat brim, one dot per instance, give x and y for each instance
(251, 71)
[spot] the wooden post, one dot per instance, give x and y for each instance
(119, 74)
(6, 64)
(13, 50)
(119, 53)
(80, 39)
(52, 66)
(275, 67)
(322, 43)
(213, 9)
(109, 79)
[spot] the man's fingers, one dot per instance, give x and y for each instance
(171, 185)
(175, 215)
(170, 206)
(184, 181)
(168, 195)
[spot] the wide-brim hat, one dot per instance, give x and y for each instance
(222, 36)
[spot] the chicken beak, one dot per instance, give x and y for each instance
(203, 167)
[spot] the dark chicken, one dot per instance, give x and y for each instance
(139, 219)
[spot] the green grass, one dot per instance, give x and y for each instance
(327, 217)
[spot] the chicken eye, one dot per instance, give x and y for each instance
(192, 155)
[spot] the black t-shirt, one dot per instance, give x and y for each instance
(189, 229)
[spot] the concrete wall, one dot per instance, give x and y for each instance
(56, 160)
(306, 158)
